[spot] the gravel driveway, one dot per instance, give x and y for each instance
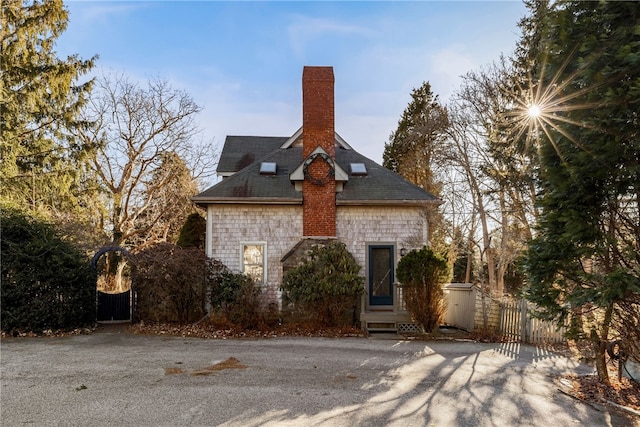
(113, 378)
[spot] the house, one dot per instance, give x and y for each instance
(280, 195)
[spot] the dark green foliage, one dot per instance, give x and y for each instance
(170, 282)
(46, 282)
(590, 172)
(412, 150)
(326, 285)
(514, 279)
(422, 274)
(40, 100)
(192, 234)
(234, 295)
(586, 252)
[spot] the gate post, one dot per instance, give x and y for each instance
(524, 336)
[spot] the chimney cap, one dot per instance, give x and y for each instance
(310, 72)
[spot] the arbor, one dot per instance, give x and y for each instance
(42, 166)
(412, 150)
(586, 254)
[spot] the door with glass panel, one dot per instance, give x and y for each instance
(381, 275)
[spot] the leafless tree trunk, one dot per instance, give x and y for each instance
(495, 173)
(144, 135)
(465, 154)
(148, 158)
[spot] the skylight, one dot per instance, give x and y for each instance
(358, 169)
(267, 168)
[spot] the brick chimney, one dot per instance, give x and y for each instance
(318, 130)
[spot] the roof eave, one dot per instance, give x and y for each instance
(203, 201)
(418, 203)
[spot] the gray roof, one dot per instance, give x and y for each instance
(241, 151)
(379, 186)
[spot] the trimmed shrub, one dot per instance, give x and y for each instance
(235, 296)
(326, 285)
(170, 283)
(47, 283)
(422, 273)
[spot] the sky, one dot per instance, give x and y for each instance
(242, 61)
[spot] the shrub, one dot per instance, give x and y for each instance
(422, 273)
(47, 283)
(192, 233)
(326, 285)
(235, 296)
(170, 283)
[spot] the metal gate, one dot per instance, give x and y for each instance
(114, 307)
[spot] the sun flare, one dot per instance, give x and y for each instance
(534, 111)
(541, 105)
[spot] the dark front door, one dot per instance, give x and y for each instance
(381, 276)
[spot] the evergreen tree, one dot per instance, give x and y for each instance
(422, 273)
(47, 283)
(40, 97)
(587, 251)
(412, 150)
(193, 232)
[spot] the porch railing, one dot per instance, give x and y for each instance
(399, 304)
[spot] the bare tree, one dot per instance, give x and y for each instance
(466, 155)
(494, 175)
(148, 157)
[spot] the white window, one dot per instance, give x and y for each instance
(254, 261)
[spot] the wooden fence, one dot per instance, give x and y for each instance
(470, 309)
(517, 323)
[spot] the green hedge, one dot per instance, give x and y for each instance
(47, 283)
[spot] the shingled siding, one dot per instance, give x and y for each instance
(279, 227)
(358, 226)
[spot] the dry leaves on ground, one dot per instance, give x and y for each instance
(622, 392)
(215, 332)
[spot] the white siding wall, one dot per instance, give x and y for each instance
(228, 226)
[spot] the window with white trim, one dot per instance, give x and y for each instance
(254, 261)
